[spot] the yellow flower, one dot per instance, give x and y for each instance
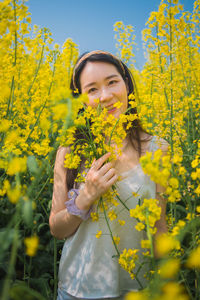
(169, 268)
(140, 226)
(131, 96)
(5, 125)
(198, 209)
(99, 233)
(136, 296)
(145, 244)
(195, 163)
(166, 243)
(112, 215)
(173, 290)
(190, 216)
(177, 158)
(16, 165)
(94, 216)
(194, 258)
(135, 194)
(117, 104)
(14, 194)
(127, 260)
(31, 244)
(121, 222)
(116, 239)
(174, 183)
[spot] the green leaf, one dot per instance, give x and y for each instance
(32, 165)
(28, 212)
(22, 291)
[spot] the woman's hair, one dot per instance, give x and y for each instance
(102, 56)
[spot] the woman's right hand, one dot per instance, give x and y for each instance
(100, 177)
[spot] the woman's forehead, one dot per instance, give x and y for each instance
(97, 70)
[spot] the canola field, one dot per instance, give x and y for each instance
(38, 113)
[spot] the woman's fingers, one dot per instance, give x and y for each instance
(109, 174)
(105, 168)
(112, 180)
(99, 162)
(100, 177)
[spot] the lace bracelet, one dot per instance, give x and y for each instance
(73, 209)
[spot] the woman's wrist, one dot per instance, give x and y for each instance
(81, 211)
(83, 201)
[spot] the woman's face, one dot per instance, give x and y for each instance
(101, 80)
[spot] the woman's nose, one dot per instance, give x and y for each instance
(105, 95)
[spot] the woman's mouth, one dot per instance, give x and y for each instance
(111, 110)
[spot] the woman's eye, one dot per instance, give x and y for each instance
(92, 90)
(112, 82)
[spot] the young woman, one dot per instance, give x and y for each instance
(89, 268)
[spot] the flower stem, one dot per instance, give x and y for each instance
(101, 200)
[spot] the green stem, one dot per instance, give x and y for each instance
(161, 68)
(37, 70)
(116, 125)
(171, 80)
(149, 235)
(38, 117)
(114, 188)
(11, 266)
(101, 200)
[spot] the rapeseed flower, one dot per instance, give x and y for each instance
(193, 260)
(31, 244)
(166, 243)
(169, 269)
(128, 259)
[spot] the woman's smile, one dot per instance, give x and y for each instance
(101, 80)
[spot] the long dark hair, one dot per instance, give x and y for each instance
(102, 56)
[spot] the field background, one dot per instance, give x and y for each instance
(36, 108)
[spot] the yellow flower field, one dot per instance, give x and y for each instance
(38, 112)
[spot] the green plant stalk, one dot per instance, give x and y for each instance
(37, 70)
(172, 206)
(198, 285)
(69, 68)
(113, 188)
(161, 68)
(136, 274)
(91, 139)
(104, 211)
(115, 126)
(192, 120)
(186, 285)
(39, 193)
(29, 270)
(38, 117)
(149, 235)
(11, 266)
(49, 91)
(10, 101)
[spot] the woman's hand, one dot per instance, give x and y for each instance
(99, 179)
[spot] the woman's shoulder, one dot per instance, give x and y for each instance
(160, 143)
(60, 157)
(62, 151)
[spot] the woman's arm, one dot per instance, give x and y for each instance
(99, 179)
(62, 224)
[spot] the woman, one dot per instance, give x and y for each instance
(88, 267)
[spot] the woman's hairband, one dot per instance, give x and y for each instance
(84, 57)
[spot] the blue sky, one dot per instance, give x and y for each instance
(90, 22)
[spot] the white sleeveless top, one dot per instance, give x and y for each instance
(87, 267)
